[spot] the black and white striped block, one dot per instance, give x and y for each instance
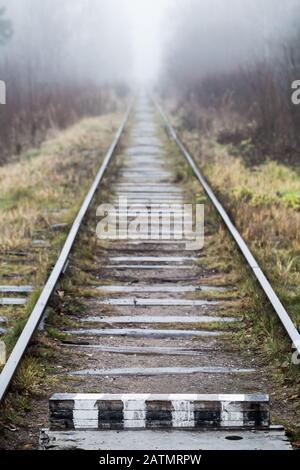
(148, 411)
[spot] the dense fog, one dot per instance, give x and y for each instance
(114, 40)
(55, 39)
(231, 64)
(211, 36)
(60, 59)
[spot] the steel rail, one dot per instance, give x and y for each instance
(257, 271)
(36, 315)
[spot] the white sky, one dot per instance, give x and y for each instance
(146, 17)
(142, 37)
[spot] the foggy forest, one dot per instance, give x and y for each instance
(168, 104)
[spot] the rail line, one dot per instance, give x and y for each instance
(154, 185)
(17, 353)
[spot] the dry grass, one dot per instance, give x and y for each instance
(45, 187)
(50, 179)
(263, 201)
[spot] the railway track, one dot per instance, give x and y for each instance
(147, 350)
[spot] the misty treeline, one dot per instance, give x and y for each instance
(57, 59)
(234, 62)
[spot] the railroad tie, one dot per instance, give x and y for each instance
(151, 411)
